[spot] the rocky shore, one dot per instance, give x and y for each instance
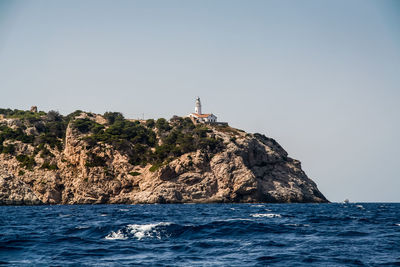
(86, 158)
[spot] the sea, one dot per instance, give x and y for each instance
(335, 234)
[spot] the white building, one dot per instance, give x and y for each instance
(197, 116)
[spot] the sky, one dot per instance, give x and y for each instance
(320, 77)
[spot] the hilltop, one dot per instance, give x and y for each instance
(87, 158)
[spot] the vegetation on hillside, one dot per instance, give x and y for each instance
(22, 114)
(42, 130)
(152, 141)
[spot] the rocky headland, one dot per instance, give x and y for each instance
(86, 158)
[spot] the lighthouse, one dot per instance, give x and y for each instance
(197, 109)
(199, 117)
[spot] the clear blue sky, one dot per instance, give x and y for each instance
(321, 77)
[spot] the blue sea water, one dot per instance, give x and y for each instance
(362, 234)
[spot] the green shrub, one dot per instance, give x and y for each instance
(5, 112)
(28, 139)
(187, 123)
(209, 143)
(135, 173)
(6, 133)
(95, 161)
(46, 153)
(155, 167)
(51, 132)
(162, 125)
(53, 115)
(112, 117)
(49, 139)
(23, 115)
(139, 155)
(87, 125)
(126, 131)
(26, 161)
(107, 172)
(48, 166)
(201, 131)
(9, 149)
(150, 123)
(74, 114)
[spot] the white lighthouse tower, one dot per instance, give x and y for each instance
(197, 109)
(199, 117)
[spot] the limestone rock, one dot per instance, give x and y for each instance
(15, 192)
(249, 168)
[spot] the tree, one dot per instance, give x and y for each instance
(162, 124)
(150, 123)
(53, 115)
(112, 117)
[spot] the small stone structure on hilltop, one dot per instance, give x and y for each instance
(34, 109)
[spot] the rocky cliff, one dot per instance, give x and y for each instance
(86, 158)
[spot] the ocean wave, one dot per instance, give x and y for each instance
(139, 231)
(119, 235)
(297, 225)
(82, 227)
(268, 215)
(146, 230)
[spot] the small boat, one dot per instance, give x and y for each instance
(346, 201)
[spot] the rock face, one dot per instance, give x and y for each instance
(16, 192)
(249, 168)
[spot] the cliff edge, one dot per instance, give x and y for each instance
(86, 158)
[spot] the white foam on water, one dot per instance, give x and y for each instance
(398, 224)
(116, 236)
(82, 227)
(21, 262)
(237, 219)
(104, 215)
(268, 215)
(297, 225)
(360, 207)
(123, 210)
(146, 230)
